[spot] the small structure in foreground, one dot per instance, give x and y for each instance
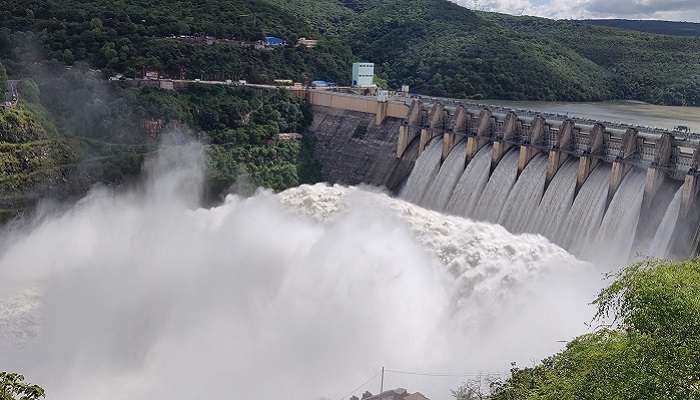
(395, 394)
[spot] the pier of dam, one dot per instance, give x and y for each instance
(365, 139)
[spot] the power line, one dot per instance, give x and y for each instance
(417, 373)
(445, 375)
(360, 386)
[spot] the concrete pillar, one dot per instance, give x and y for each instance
(685, 241)
(484, 133)
(448, 142)
(653, 181)
(460, 126)
(382, 107)
(512, 127)
(436, 122)
(649, 218)
(535, 137)
(619, 167)
(408, 130)
(404, 140)
(498, 150)
(690, 184)
(436, 118)
(655, 175)
(690, 193)
(686, 236)
(425, 137)
(617, 173)
(589, 160)
(559, 152)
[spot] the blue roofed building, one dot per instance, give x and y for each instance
(274, 41)
(323, 84)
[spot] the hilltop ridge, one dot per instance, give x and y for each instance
(676, 28)
(435, 46)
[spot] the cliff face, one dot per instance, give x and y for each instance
(353, 150)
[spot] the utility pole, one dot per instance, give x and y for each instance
(381, 385)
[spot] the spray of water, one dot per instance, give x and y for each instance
(426, 169)
(466, 195)
(582, 222)
(621, 219)
(587, 212)
(300, 295)
(496, 192)
(662, 239)
(525, 196)
(440, 191)
(556, 203)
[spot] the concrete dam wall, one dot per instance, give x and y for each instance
(353, 149)
(614, 192)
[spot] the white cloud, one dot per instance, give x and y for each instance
(675, 10)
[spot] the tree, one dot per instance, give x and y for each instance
(649, 350)
(13, 387)
(68, 57)
(471, 390)
(3, 80)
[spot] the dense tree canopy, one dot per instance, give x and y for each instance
(72, 130)
(651, 350)
(3, 81)
(434, 46)
(662, 27)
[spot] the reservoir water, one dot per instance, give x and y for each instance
(626, 112)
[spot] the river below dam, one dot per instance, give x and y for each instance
(626, 112)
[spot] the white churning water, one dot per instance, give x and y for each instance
(423, 175)
(584, 219)
(442, 187)
(468, 190)
(497, 189)
(126, 293)
(580, 222)
(556, 203)
(525, 197)
(621, 220)
(662, 240)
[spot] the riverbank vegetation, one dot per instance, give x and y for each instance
(648, 346)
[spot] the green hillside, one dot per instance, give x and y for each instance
(661, 27)
(643, 66)
(434, 46)
(74, 130)
(464, 54)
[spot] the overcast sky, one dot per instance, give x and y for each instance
(672, 10)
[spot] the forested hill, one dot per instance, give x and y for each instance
(661, 27)
(434, 46)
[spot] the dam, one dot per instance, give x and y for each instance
(598, 189)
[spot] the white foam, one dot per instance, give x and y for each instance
(298, 295)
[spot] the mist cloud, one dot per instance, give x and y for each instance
(302, 295)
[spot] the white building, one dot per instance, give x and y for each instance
(363, 75)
